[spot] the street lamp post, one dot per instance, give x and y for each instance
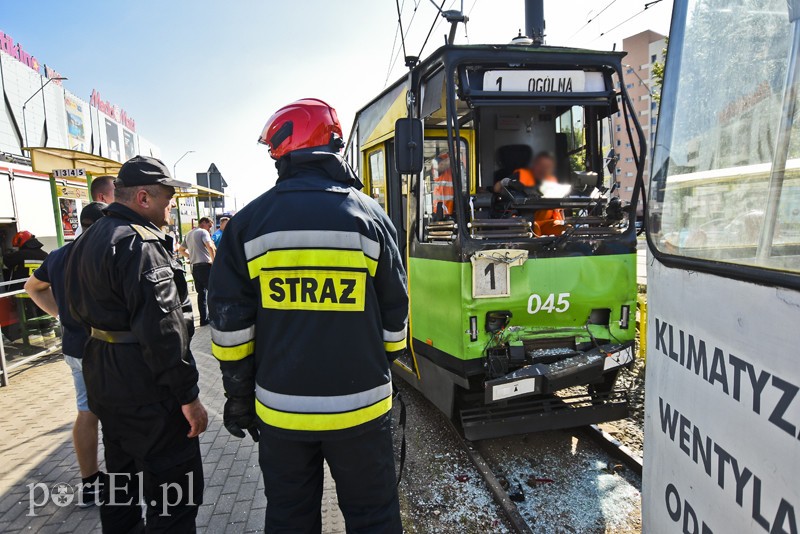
(24, 120)
(174, 175)
(175, 166)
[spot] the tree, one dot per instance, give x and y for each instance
(658, 73)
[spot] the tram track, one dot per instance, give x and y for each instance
(499, 485)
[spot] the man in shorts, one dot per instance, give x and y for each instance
(46, 289)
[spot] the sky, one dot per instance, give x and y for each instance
(205, 75)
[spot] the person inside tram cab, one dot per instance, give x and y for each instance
(549, 222)
(541, 172)
(443, 191)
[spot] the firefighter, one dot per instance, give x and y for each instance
(27, 258)
(21, 264)
(125, 284)
(308, 308)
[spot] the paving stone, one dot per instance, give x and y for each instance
(232, 484)
(204, 515)
(255, 523)
(37, 445)
(225, 504)
(247, 492)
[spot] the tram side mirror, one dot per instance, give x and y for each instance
(408, 142)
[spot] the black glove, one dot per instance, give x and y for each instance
(240, 415)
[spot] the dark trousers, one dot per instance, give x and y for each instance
(150, 459)
(362, 467)
(201, 273)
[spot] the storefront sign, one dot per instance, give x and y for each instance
(76, 132)
(16, 51)
(112, 110)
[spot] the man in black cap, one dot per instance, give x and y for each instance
(47, 289)
(124, 283)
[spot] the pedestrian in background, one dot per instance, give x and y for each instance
(102, 189)
(223, 222)
(308, 309)
(199, 248)
(124, 283)
(47, 288)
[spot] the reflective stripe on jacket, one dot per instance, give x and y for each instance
(308, 302)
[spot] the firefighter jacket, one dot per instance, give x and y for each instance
(308, 302)
(122, 279)
(24, 261)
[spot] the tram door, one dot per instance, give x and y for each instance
(722, 410)
(396, 201)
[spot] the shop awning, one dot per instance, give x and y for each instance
(46, 160)
(199, 191)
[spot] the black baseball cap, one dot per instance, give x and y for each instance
(144, 170)
(92, 212)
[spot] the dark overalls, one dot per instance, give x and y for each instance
(123, 281)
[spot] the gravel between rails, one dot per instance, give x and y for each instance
(569, 484)
(441, 491)
(630, 431)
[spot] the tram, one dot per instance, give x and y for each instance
(722, 410)
(515, 326)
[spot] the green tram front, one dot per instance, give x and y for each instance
(503, 315)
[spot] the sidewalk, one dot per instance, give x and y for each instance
(38, 409)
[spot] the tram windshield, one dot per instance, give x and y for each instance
(726, 173)
(540, 168)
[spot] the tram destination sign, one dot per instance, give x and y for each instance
(543, 81)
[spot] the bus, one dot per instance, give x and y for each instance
(722, 410)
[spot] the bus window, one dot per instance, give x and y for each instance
(377, 177)
(715, 162)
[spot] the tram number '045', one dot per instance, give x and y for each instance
(553, 302)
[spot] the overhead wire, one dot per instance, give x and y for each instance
(592, 19)
(400, 23)
(647, 6)
(394, 45)
(403, 36)
(466, 33)
(433, 25)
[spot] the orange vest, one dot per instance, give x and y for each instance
(550, 222)
(444, 192)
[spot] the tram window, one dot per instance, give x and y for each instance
(572, 123)
(439, 196)
(715, 164)
(377, 177)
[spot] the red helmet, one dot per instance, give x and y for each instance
(307, 123)
(20, 238)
